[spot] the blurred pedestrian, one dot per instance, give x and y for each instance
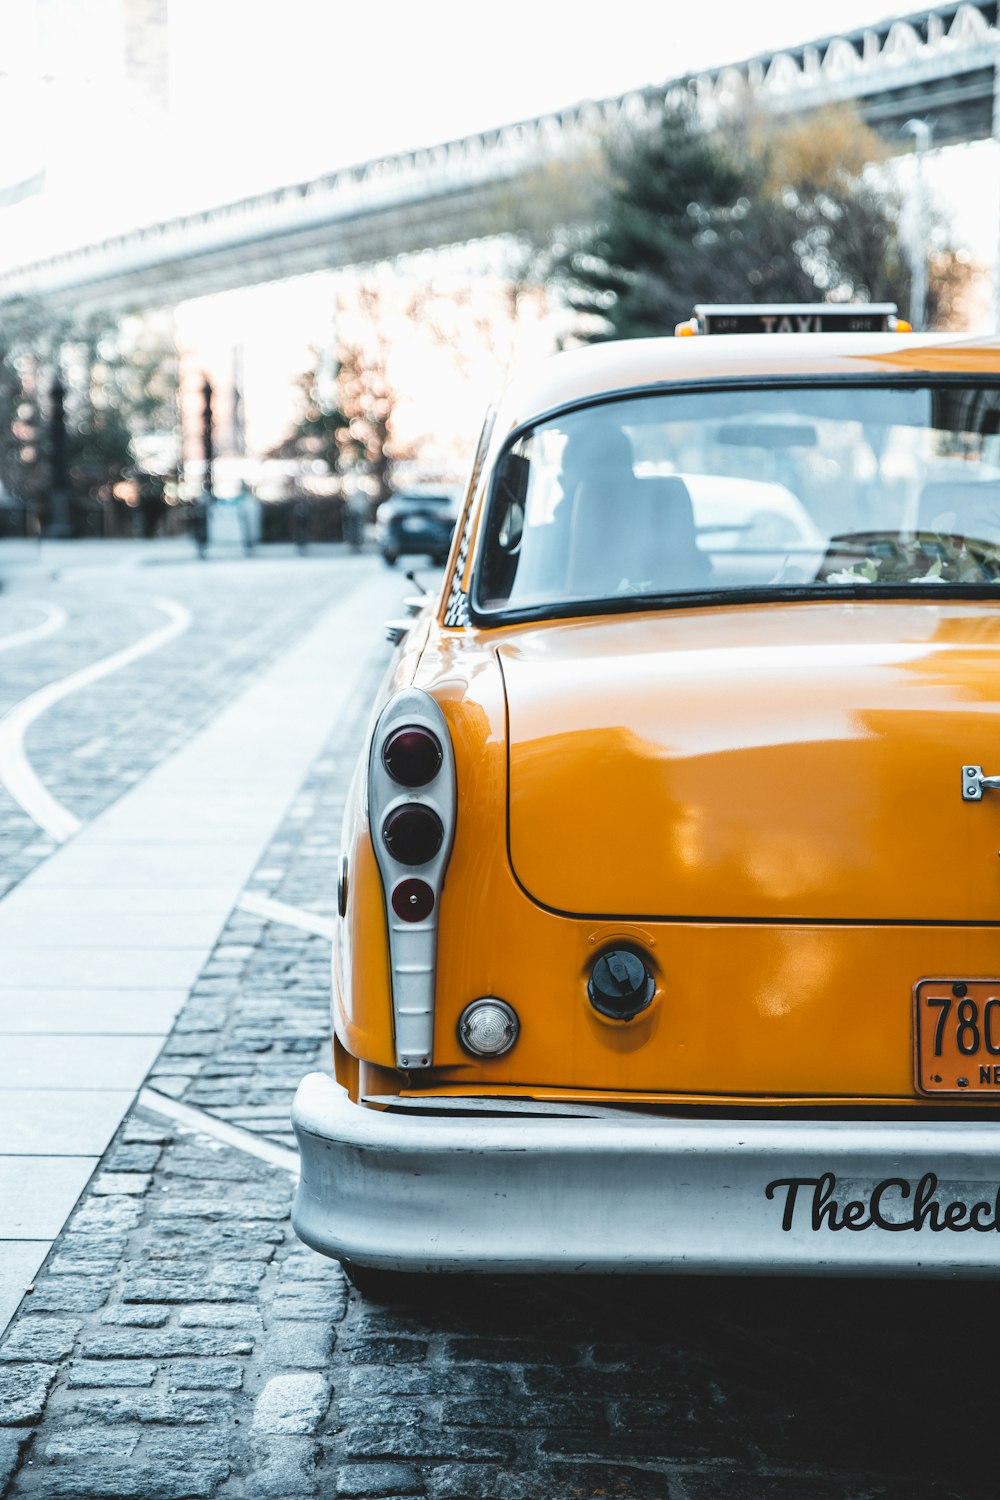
(199, 522)
(355, 519)
(152, 504)
(300, 523)
(245, 507)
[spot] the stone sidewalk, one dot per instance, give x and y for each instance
(104, 940)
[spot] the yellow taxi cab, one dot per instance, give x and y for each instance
(669, 932)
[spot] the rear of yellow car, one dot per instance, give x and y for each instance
(702, 973)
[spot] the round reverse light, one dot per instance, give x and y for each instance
(412, 756)
(412, 900)
(488, 1027)
(413, 834)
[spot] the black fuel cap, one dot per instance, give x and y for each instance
(620, 984)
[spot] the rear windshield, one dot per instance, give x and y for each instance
(847, 488)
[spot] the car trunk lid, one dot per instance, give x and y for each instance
(775, 762)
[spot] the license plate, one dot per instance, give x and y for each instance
(414, 523)
(958, 1036)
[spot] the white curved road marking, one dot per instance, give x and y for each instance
(16, 772)
(291, 916)
(56, 618)
(231, 1135)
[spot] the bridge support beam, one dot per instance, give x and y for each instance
(940, 65)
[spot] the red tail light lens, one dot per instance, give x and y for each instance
(412, 900)
(412, 756)
(413, 834)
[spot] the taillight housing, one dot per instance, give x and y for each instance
(411, 814)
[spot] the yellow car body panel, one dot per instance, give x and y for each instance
(747, 1005)
(765, 798)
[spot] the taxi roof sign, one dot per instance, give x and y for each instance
(794, 317)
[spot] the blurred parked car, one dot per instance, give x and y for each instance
(418, 520)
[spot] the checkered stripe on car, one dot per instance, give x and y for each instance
(457, 609)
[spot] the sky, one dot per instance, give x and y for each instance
(268, 94)
(306, 85)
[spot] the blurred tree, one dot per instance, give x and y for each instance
(97, 432)
(667, 188)
(368, 396)
(536, 212)
(120, 384)
(751, 212)
(121, 390)
(143, 367)
(346, 418)
(953, 280)
(24, 351)
(818, 181)
(367, 400)
(348, 426)
(315, 433)
(20, 429)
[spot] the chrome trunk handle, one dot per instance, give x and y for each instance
(974, 783)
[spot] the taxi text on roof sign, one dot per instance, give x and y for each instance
(796, 317)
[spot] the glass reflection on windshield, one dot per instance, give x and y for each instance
(747, 489)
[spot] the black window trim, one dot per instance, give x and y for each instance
(770, 594)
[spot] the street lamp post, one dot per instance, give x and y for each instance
(921, 132)
(207, 437)
(208, 453)
(59, 524)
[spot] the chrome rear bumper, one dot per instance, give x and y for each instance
(634, 1193)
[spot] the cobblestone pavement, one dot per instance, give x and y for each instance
(179, 1342)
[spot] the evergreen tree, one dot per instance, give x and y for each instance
(750, 213)
(635, 271)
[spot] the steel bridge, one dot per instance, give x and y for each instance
(940, 64)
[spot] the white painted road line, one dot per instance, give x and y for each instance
(55, 619)
(230, 1135)
(290, 916)
(16, 772)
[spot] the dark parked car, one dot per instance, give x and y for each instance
(420, 519)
